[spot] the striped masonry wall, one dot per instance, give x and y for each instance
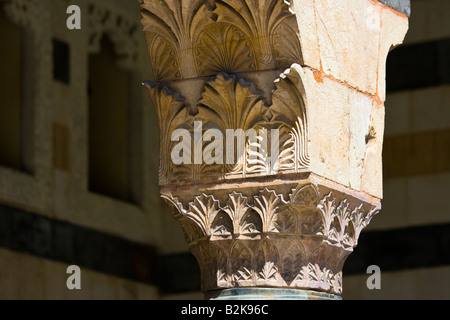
(409, 240)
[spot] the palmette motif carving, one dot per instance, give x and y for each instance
(299, 241)
(197, 38)
(232, 102)
(174, 24)
(223, 48)
(259, 21)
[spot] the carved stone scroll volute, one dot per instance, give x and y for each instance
(264, 153)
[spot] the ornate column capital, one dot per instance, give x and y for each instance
(291, 233)
(271, 124)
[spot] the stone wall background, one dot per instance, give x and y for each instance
(50, 216)
(409, 239)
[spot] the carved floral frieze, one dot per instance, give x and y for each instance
(230, 102)
(298, 239)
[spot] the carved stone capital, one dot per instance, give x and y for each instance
(295, 233)
(271, 123)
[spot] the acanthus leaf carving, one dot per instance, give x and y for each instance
(266, 205)
(237, 208)
(233, 106)
(304, 213)
(171, 113)
(339, 221)
(203, 211)
(223, 48)
(360, 220)
(258, 21)
(269, 272)
(164, 60)
(178, 22)
(287, 50)
(205, 37)
(308, 253)
(327, 207)
(289, 101)
(232, 102)
(177, 205)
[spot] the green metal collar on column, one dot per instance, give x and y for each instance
(269, 294)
